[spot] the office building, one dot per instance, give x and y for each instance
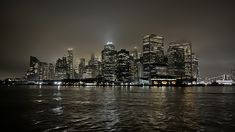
(153, 55)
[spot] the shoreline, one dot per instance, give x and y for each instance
(136, 85)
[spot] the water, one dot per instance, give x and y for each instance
(52, 108)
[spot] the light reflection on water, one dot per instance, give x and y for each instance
(126, 108)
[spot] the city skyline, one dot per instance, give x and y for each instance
(46, 29)
(151, 66)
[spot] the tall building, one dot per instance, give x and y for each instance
(82, 66)
(136, 65)
(51, 74)
(87, 73)
(109, 62)
(176, 63)
(76, 72)
(40, 70)
(61, 68)
(34, 66)
(153, 55)
(195, 67)
(95, 66)
(187, 49)
(140, 69)
(123, 66)
(70, 64)
(43, 71)
(92, 59)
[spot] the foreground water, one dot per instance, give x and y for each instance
(50, 108)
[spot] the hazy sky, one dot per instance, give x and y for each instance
(46, 28)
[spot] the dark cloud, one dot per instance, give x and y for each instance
(47, 28)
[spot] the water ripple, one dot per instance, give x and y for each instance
(126, 109)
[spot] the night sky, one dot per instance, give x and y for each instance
(46, 28)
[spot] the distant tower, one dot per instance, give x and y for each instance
(195, 67)
(92, 60)
(82, 66)
(51, 73)
(135, 54)
(109, 62)
(94, 65)
(70, 64)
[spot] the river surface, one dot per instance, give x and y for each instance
(53, 108)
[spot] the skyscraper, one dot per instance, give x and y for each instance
(123, 66)
(109, 62)
(153, 54)
(82, 65)
(94, 65)
(34, 66)
(70, 64)
(61, 68)
(92, 59)
(40, 70)
(176, 63)
(43, 71)
(136, 65)
(51, 74)
(187, 49)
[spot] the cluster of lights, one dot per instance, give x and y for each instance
(57, 83)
